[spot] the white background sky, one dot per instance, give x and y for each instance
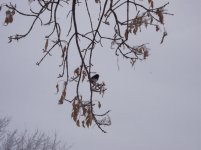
(155, 105)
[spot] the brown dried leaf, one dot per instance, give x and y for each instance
(157, 28)
(13, 12)
(78, 123)
(135, 30)
(65, 85)
(77, 71)
(145, 23)
(151, 20)
(89, 120)
(63, 95)
(83, 124)
(99, 104)
(146, 54)
(46, 45)
(97, 1)
(152, 4)
(84, 111)
(74, 115)
(6, 21)
(84, 74)
(63, 51)
(9, 17)
(132, 61)
(57, 87)
(126, 34)
(8, 13)
(164, 35)
(160, 15)
(60, 101)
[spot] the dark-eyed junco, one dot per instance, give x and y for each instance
(94, 78)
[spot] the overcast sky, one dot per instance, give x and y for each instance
(155, 105)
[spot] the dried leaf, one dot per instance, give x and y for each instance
(9, 17)
(65, 85)
(97, 1)
(83, 124)
(126, 34)
(145, 23)
(6, 21)
(13, 12)
(78, 123)
(63, 95)
(99, 104)
(77, 71)
(164, 35)
(151, 2)
(63, 51)
(74, 115)
(157, 28)
(8, 13)
(135, 30)
(89, 120)
(132, 61)
(84, 74)
(107, 22)
(146, 54)
(46, 45)
(57, 87)
(151, 20)
(160, 15)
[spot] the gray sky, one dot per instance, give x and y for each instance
(155, 105)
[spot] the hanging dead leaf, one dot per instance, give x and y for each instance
(65, 85)
(84, 110)
(97, 1)
(157, 28)
(57, 87)
(145, 23)
(77, 71)
(126, 34)
(74, 115)
(84, 74)
(61, 100)
(63, 51)
(78, 123)
(83, 124)
(63, 95)
(160, 15)
(132, 61)
(46, 45)
(146, 54)
(8, 13)
(99, 104)
(9, 17)
(164, 35)
(151, 2)
(13, 12)
(151, 20)
(89, 119)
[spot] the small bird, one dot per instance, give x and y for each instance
(94, 78)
